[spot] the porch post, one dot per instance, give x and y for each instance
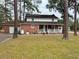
(58, 29)
(47, 29)
(44, 28)
(54, 28)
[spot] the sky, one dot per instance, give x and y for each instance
(1, 1)
(42, 8)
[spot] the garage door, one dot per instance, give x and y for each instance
(11, 29)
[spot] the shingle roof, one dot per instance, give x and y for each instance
(40, 16)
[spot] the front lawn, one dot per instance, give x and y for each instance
(40, 47)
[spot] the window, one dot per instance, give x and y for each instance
(40, 26)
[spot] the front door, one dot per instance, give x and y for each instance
(43, 28)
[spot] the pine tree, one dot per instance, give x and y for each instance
(15, 20)
(65, 36)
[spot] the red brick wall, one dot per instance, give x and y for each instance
(26, 27)
(30, 28)
(5, 28)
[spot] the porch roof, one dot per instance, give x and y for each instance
(35, 23)
(43, 23)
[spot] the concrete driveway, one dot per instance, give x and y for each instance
(4, 36)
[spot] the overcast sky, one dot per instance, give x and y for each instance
(44, 10)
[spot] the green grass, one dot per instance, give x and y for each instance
(40, 47)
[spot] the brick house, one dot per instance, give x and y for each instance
(36, 24)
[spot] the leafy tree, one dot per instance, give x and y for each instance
(4, 18)
(62, 7)
(1, 15)
(27, 6)
(74, 4)
(7, 13)
(72, 27)
(59, 6)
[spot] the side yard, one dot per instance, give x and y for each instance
(40, 47)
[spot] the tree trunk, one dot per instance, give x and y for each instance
(20, 11)
(65, 36)
(75, 18)
(24, 10)
(15, 19)
(5, 13)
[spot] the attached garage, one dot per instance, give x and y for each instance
(11, 29)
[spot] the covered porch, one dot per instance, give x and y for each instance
(50, 28)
